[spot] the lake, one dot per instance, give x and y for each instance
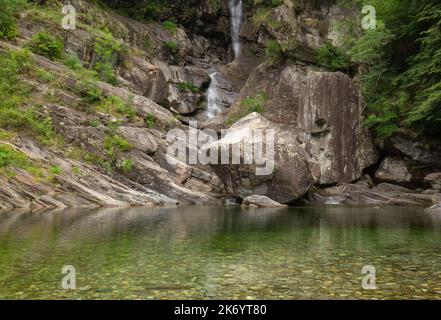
(198, 252)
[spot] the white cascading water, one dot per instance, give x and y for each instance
(236, 13)
(213, 98)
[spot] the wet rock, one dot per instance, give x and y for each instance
(434, 179)
(261, 201)
(381, 195)
(435, 209)
(393, 170)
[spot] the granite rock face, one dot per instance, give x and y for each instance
(286, 179)
(325, 110)
(435, 180)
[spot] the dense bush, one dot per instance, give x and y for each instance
(14, 114)
(8, 11)
(401, 63)
(332, 57)
(47, 45)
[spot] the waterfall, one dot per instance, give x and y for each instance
(213, 97)
(236, 12)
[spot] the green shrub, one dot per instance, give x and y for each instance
(44, 75)
(332, 57)
(76, 170)
(186, 86)
(9, 9)
(115, 143)
(150, 120)
(73, 62)
(55, 170)
(274, 51)
(15, 115)
(47, 45)
(106, 49)
(116, 106)
(127, 165)
(89, 90)
(172, 46)
(11, 158)
(170, 26)
(249, 105)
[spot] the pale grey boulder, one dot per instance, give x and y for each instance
(288, 179)
(262, 201)
(393, 170)
(434, 179)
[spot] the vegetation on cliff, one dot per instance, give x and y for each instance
(400, 64)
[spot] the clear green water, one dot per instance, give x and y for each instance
(221, 253)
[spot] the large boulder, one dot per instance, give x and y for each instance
(393, 170)
(434, 179)
(324, 106)
(415, 148)
(331, 115)
(286, 179)
(262, 201)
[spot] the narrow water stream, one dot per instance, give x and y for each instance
(214, 99)
(236, 20)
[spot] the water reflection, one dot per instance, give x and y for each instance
(221, 252)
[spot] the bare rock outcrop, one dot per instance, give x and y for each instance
(393, 170)
(286, 179)
(435, 180)
(326, 110)
(261, 201)
(383, 194)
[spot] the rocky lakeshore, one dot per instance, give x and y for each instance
(107, 133)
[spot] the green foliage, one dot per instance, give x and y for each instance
(115, 143)
(47, 45)
(15, 115)
(5, 135)
(274, 51)
(116, 106)
(106, 50)
(76, 170)
(186, 86)
(401, 66)
(55, 170)
(9, 10)
(11, 158)
(150, 120)
(127, 165)
(170, 26)
(44, 75)
(172, 46)
(249, 105)
(89, 90)
(332, 57)
(73, 62)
